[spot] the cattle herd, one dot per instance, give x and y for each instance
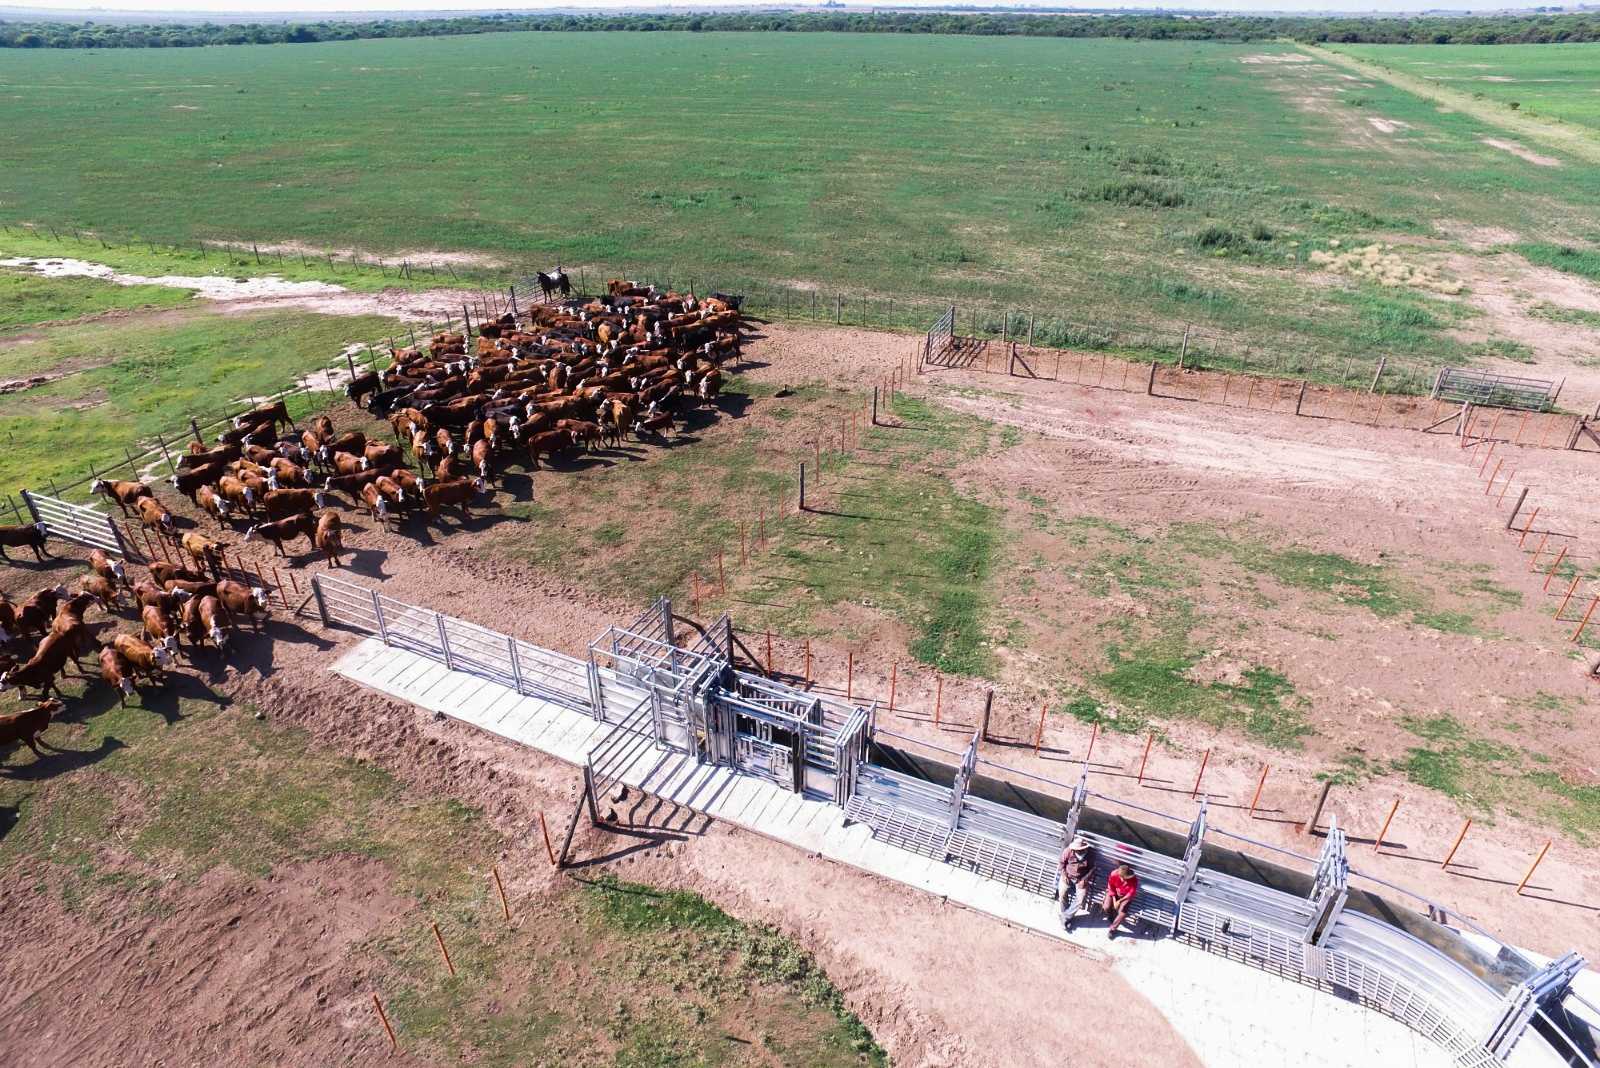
(577, 374)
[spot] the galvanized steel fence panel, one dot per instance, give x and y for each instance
(76, 522)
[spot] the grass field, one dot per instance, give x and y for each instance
(1122, 180)
(1556, 81)
(114, 382)
(154, 815)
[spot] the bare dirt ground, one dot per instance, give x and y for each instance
(937, 985)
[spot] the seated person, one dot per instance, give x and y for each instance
(1121, 886)
(1072, 884)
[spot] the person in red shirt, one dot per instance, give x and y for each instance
(1121, 887)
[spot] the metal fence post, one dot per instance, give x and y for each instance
(444, 641)
(377, 612)
(322, 605)
(516, 664)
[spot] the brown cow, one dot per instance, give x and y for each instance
(107, 593)
(377, 506)
(115, 670)
(581, 430)
(202, 550)
(40, 672)
(344, 463)
(328, 537)
(547, 443)
(352, 443)
(283, 503)
(225, 454)
(287, 474)
(27, 725)
(162, 572)
(30, 534)
(34, 615)
(459, 493)
(241, 600)
(281, 530)
(111, 570)
(143, 659)
(203, 619)
(160, 629)
(124, 493)
(148, 593)
(154, 514)
(186, 482)
(233, 492)
(482, 455)
(214, 503)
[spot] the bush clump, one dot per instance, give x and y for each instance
(1142, 193)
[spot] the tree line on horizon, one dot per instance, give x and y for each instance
(1538, 28)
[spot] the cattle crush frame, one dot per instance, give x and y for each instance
(660, 690)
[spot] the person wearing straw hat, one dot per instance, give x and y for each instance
(1072, 883)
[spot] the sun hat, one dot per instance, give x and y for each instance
(1078, 842)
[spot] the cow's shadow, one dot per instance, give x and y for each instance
(50, 563)
(366, 562)
(58, 760)
(8, 819)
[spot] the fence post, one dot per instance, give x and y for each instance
(377, 611)
(802, 491)
(1382, 362)
(516, 663)
(988, 707)
(1183, 353)
(316, 592)
(1150, 387)
(444, 641)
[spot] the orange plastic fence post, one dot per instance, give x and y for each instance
(1536, 861)
(443, 951)
(1498, 501)
(1527, 528)
(544, 829)
(849, 675)
(1548, 575)
(1145, 760)
(1378, 844)
(1496, 421)
(1094, 736)
(894, 672)
(1533, 564)
(1203, 762)
(1577, 634)
(1490, 485)
(1562, 607)
(393, 1042)
(1486, 456)
(1260, 783)
(1520, 427)
(1465, 827)
(1038, 733)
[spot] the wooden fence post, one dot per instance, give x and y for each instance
(393, 1042)
(1204, 760)
(1149, 741)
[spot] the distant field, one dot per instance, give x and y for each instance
(1558, 81)
(1171, 181)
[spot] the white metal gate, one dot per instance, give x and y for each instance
(76, 522)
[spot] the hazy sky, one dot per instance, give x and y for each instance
(220, 8)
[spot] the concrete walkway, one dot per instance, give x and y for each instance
(1231, 1014)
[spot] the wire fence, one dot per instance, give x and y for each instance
(1187, 344)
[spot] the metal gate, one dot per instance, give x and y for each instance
(531, 670)
(76, 522)
(940, 336)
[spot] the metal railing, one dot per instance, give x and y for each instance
(530, 670)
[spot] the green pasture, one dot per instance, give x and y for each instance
(1560, 81)
(1114, 180)
(120, 381)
